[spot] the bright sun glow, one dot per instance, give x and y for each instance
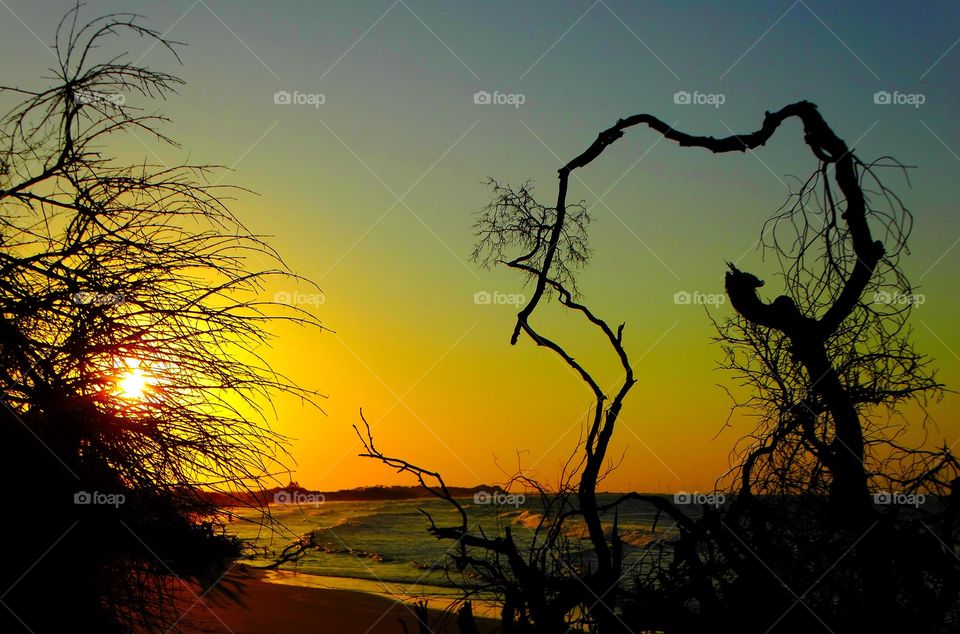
(133, 382)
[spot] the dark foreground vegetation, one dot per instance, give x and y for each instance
(106, 265)
(820, 533)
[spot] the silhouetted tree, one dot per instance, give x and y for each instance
(822, 362)
(106, 268)
(873, 359)
(568, 576)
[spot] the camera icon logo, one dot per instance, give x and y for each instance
(482, 297)
(681, 497)
(681, 97)
(882, 97)
(82, 497)
(682, 297)
(482, 98)
(481, 497)
(883, 497)
(282, 97)
(282, 497)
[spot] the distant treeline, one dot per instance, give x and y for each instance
(295, 491)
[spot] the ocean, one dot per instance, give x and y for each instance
(384, 547)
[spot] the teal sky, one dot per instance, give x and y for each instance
(372, 193)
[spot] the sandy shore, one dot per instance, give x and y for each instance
(245, 603)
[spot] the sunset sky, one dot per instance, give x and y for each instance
(372, 194)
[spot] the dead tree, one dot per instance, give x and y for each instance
(542, 589)
(808, 334)
(823, 356)
(819, 356)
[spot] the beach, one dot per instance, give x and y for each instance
(245, 602)
(372, 562)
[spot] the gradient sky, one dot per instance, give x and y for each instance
(372, 193)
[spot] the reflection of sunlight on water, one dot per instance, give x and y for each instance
(382, 546)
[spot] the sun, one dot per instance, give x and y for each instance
(134, 382)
